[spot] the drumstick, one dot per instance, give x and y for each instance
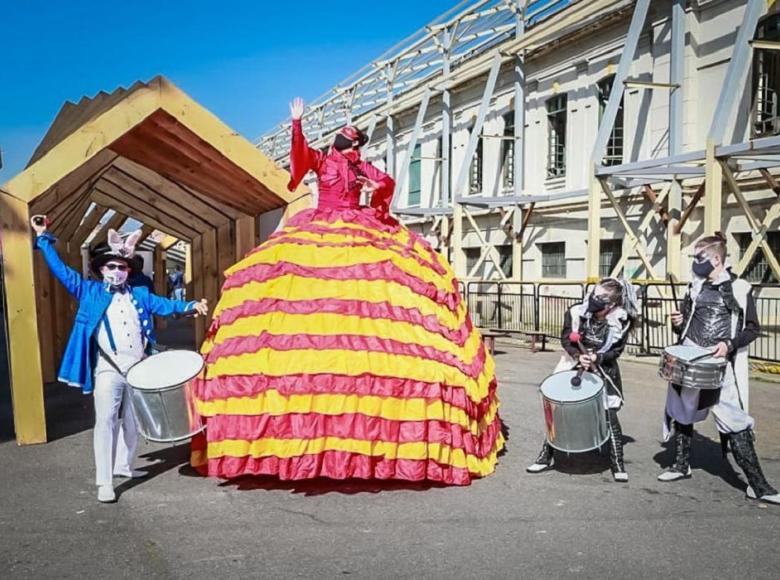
(674, 291)
(575, 337)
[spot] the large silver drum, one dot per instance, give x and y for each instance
(161, 396)
(574, 416)
(676, 367)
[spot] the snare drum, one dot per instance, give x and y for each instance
(574, 417)
(675, 367)
(161, 395)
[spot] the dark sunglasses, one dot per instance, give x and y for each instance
(120, 267)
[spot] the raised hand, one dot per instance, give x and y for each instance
(39, 223)
(296, 108)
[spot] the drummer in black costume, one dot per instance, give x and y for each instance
(603, 322)
(718, 312)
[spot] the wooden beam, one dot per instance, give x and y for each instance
(690, 207)
(209, 209)
(759, 229)
(160, 282)
(23, 340)
(173, 165)
(770, 179)
(245, 236)
(107, 195)
(114, 223)
(44, 300)
(652, 197)
(172, 201)
(89, 223)
(62, 189)
(197, 282)
(630, 233)
(209, 270)
(526, 219)
(226, 250)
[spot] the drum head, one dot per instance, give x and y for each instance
(165, 369)
(558, 387)
(686, 352)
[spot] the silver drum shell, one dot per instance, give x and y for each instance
(578, 426)
(166, 415)
(679, 371)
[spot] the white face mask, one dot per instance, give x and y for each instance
(114, 277)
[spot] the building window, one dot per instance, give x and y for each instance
(766, 79)
(610, 253)
(475, 173)
(758, 271)
(415, 177)
(508, 152)
(556, 136)
(553, 259)
(505, 259)
(472, 257)
(614, 153)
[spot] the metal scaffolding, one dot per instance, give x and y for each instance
(479, 39)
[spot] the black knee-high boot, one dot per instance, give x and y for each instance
(683, 439)
(616, 447)
(745, 455)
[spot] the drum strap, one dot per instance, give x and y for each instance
(105, 356)
(110, 335)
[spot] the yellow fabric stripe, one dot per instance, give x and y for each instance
(271, 402)
(278, 363)
(295, 288)
(340, 257)
(285, 448)
(322, 323)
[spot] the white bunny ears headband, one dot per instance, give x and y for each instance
(123, 248)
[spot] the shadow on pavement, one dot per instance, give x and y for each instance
(707, 455)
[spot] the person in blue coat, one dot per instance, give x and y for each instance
(111, 332)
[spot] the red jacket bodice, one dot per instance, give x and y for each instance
(338, 185)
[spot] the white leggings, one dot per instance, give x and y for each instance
(115, 438)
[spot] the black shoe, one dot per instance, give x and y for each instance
(544, 461)
(744, 453)
(616, 447)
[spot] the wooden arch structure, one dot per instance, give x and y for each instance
(149, 153)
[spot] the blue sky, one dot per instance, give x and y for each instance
(243, 60)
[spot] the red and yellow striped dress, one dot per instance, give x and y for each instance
(341, 348)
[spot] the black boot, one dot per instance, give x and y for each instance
(744, 453)
(616, 447)
(683, 438)
(544, 461)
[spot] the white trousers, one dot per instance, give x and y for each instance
(730, 411)
(115, 437)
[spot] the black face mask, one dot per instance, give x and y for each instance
(702, 269)
(597, 304)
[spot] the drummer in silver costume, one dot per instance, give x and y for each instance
(718, 312)
(603, 322)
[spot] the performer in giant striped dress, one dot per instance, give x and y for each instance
(341, 347)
